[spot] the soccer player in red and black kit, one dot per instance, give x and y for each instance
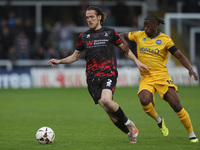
(101, 69)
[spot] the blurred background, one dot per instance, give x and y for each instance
(34, 31)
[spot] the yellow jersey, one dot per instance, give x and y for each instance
(152, 52)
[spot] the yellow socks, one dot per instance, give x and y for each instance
(185, 119)
(149, 109)
(183, 116)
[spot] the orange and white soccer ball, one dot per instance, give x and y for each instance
(45, 135)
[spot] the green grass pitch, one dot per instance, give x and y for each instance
(80, 125)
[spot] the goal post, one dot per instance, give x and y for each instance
(168, 20)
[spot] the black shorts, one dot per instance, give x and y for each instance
(96, 85)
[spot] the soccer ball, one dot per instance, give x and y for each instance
(45, 135)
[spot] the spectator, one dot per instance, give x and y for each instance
(79, 13)
(65, 39)
(11, 18)
(52, 53)
(39, 54)
(45, 40)
(18, 26)
(110, 21)
(3, 23)
(121, 13)
(6, 42)
(22, 45)
(30, 30)
(12, 54)
(31, 34)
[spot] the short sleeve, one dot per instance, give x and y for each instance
(79, 44)
(169, 43)
(132, 36)
(116, 40)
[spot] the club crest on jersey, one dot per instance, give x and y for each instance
(88, 36)
(158, 42)
(144, 39)
(106, 34)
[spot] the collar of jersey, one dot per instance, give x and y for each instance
(154, 36)
(96, 30)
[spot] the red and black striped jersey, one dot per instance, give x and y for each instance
(99, 51)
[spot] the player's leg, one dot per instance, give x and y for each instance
(115, 119)
(173, 99)
(108, 87)
(146, 95)
(146, 99)
(95, 89)
(117, 115)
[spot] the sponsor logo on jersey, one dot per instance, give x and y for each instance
(96, 43)
(158, 42)
(149, 50)
(89, 43)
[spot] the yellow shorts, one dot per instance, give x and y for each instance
(160, 83)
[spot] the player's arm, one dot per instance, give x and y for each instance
(124, 47)
(70, 59)
(128, 53)
(124, 37)
(184, 61)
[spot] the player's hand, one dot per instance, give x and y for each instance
(54, 62)
(192, 73)
(142, 66)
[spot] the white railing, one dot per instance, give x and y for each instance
(6, 63)
(9, 65)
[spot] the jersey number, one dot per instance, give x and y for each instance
(109, 82)
(170, 81)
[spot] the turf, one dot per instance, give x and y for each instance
(80, 125)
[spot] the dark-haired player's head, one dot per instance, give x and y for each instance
(95, 17)
(151, 23)
(154, 19)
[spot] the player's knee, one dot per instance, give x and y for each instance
(177, 107)
(105, 102)
(144, 99)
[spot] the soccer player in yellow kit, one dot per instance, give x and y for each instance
(153, 49)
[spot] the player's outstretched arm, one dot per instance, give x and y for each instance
(184, 61)
(124, 47)
(128, 53)
(140, 65)
(70, 59)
